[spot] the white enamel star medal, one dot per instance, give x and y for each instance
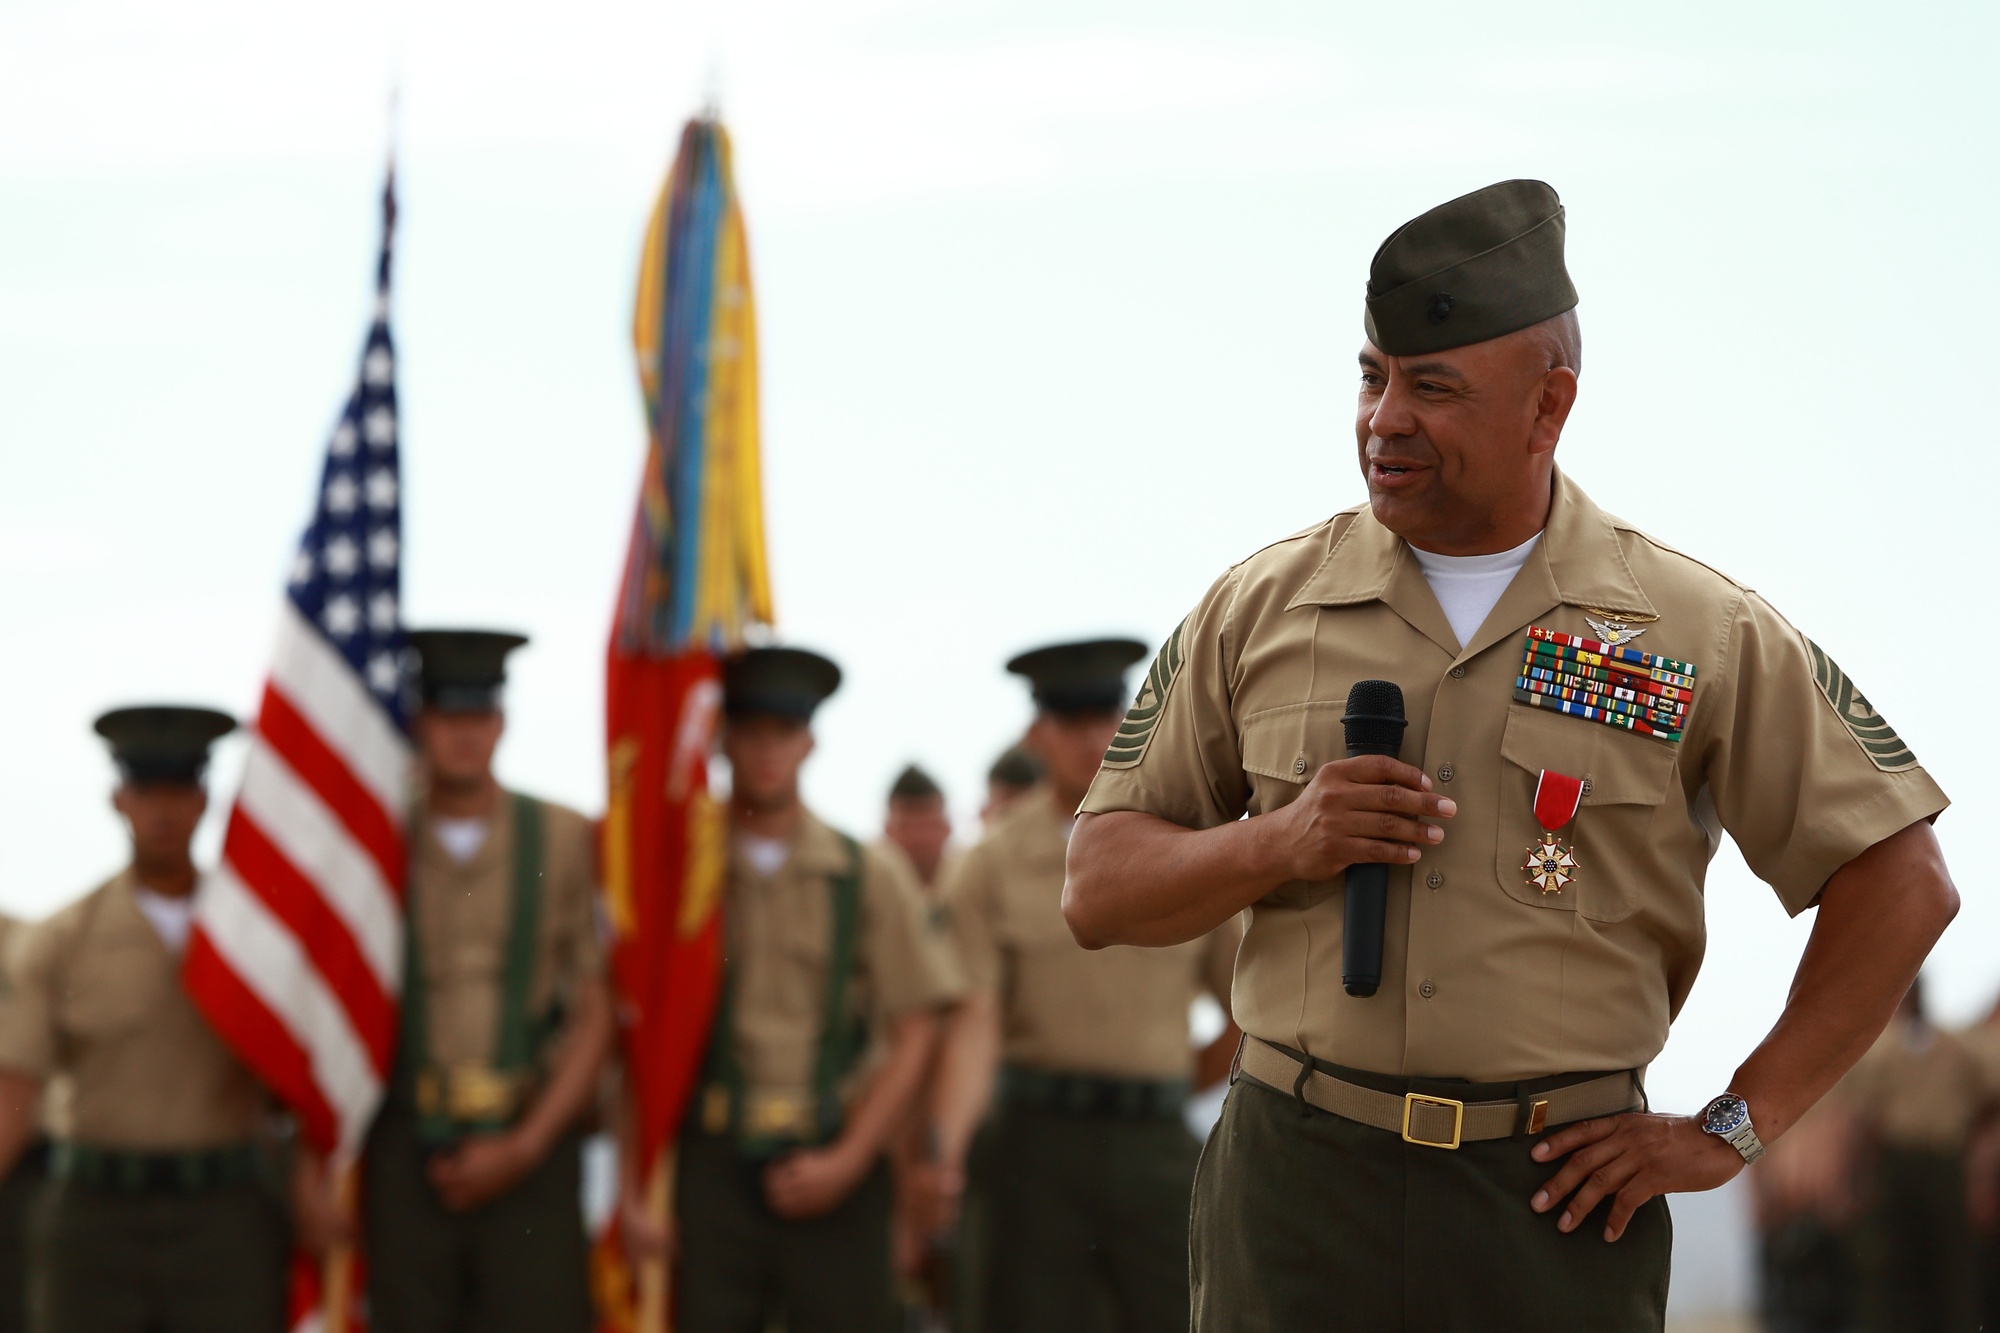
(1551, 865)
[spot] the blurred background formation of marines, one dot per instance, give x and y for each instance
(1881, 1210)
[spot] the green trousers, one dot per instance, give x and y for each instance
(101, 1261)
(1303, 1220)
(516, 1265)
(1917, 1251)
(17, 1197)
(1085, 1223)
(744, 1269)
(1806, 1278)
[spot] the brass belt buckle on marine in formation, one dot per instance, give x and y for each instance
(468, 1093)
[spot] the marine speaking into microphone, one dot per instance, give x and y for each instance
(1373, 724)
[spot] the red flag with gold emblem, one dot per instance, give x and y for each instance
(695, 581)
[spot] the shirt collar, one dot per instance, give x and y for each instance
(1579, 562)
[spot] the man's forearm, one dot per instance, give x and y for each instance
(1878, 917)
(879, 1110)
(1138, 879)
(573, 1081)
(966, 1069)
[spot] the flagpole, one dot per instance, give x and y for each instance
(337, 1269)
(336, 1287)
(653, 1270)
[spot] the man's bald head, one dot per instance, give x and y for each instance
(1559, 340)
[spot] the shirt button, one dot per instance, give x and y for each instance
(1299, 764)
(1458, 673)
(1586, 786)
(1427, 990)
(1435, 879)
(1446, 773)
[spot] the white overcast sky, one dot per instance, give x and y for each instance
(1059, 301)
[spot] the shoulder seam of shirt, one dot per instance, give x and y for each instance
(1620, 525)
(1303, 533)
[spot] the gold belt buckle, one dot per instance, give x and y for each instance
(1412, 1100)
(475, 1093)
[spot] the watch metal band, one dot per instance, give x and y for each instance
(1745, 1141)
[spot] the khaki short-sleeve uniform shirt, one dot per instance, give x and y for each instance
(779, 932)
(462, 913)
(1983, 1041)
(1120, 1012)
(1485, 976)
(94, 998)
(1918, 1087)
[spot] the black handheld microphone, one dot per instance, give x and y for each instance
(1374, 725)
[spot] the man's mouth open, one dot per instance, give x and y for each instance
(1391, 472)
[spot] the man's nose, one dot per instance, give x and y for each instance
(1392, 417)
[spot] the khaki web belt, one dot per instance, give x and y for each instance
(1438, 1122)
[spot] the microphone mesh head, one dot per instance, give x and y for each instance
(1374, 714)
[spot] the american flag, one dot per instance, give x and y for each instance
(296, 956)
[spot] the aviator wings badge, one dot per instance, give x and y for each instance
(1615, 630)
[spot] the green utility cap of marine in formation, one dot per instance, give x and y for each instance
(1015, 768)
(914, 784)
(163, 742)
(463, 670)
(1087, 677)
(1484, 265)
(777, 682)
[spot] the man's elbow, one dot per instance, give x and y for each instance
(1083, 889)
(1084, 923)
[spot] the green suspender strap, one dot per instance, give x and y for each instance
(451, 1102)
(843, 1034)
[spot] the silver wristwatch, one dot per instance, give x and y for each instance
(1728, 1118)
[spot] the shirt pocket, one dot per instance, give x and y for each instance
(1625, 779)
(1283, 747)
(104, 999)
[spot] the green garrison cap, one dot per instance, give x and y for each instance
(463, 669)
(782, 682)
(1486, 264)
(1015, 768)
(914, 784)
(1087, 677)
(163, 742)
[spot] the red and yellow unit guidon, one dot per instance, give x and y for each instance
(1620, 687)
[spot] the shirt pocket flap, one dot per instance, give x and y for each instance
(1616, 768)
(1292, 742)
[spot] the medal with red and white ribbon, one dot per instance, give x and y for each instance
(1551, 865)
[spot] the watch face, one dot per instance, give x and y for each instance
(1725, 1115)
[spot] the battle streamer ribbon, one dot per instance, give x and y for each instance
(1551, 865)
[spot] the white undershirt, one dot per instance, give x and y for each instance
(1468, 586)
(172, 917)
(765, 854)
(460, 838)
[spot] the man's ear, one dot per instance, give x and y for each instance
(1552, 409)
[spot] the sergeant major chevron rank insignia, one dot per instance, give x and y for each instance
(1878, 740)
(1135, 733)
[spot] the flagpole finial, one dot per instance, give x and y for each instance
(711, 91)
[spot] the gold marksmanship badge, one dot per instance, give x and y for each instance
(1551, 866)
